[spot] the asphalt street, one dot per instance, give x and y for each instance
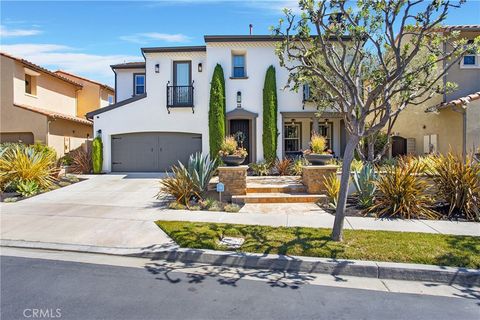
(72, 290)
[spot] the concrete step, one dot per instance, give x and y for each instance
(276, 188)
(280, 197)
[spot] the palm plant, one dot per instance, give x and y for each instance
(283, 167)
(402, 193)
(332, 188)
(458, 182)
(20, 163)
(364, 182)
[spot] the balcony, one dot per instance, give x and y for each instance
(179, 97)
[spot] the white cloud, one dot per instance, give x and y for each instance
(147, 37)
(53, 57)
(7, 32)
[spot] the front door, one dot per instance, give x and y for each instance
(240, 129)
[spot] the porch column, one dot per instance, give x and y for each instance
(314, 125)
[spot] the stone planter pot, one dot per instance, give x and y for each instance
(233, 161)
(318, 159)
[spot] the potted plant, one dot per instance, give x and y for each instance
(230, 153)
(317, 154)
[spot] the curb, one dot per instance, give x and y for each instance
(336, 267)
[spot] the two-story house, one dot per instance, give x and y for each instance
(161, 114)
(450, 121)
(38, 105)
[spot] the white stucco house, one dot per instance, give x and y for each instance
(161, 114)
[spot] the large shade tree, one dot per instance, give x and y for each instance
(368, 61)
(216, 113)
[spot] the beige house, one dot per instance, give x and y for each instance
(39, 105)
(94, 95)
(448, 122)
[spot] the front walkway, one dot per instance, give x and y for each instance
(119, 211)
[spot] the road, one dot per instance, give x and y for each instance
(78, 290)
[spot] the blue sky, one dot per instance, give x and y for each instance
(86, 37)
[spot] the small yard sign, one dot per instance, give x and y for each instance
(220, 189)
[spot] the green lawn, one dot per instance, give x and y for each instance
(437, 249)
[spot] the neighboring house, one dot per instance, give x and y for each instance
(448, 122)
(94, 95)
(39, 105)
(161, 114)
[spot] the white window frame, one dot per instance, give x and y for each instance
(135, 76)
(470, 66)
(298, 138)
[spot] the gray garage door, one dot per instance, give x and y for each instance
(152, 151)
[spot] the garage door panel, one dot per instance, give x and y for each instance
(152, 151)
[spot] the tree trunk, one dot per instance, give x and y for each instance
(342, 197)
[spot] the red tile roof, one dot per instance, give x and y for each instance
(85, 79)
(41, 69)
(54, 114)
(460, 102)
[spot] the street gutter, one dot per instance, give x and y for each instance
(336, 267)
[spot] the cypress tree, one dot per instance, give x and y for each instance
(97, 155)
(216, 113)
(270, 131)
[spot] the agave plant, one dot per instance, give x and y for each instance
(20, 163)
(201, 169)
(297, 166)
(332, 188)
(28, 188)
(402, 193)
(364, 182)
(458, 182)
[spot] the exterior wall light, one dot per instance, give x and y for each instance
(239, 99)
(157, 68)
(200, 67)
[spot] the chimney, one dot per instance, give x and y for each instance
(251, 28)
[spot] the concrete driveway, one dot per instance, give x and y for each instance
(115, 210)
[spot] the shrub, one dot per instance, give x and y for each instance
(283, 167)
(270, 131)
(81, 161)
(97, 155)
(208, 203)
(232, 207)
(44, 149)
(364, 182)
(458, 183)
(229, 147)
(356, 165)
(181, 186)
(176, 206)
(28, 188)
(318, 144)
(402, 193)
(20, 163)
(260, 168)
(297, 166)
(216, 112)
(332, 188)
(201, 170)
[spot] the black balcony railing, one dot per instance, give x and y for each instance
(179, 97)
